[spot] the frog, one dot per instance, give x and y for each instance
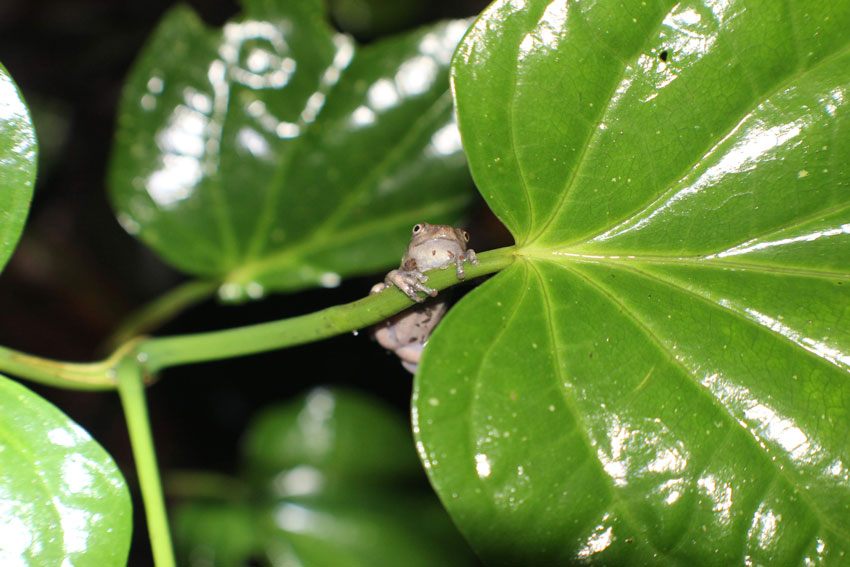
(431, 246)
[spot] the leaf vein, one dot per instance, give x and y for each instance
(636, 525)
(644, 211)
(751, 435)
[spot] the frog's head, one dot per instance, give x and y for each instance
(424, 232)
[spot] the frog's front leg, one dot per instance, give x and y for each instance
(468, 255)
(459, 259)
(410, 281)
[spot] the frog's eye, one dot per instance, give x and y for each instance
(465, 236)
(418, 228)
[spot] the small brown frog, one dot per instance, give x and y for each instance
(431, 246)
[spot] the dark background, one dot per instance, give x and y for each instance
(76, 274)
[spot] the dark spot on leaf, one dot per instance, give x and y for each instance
(663, 55)
(591, 355)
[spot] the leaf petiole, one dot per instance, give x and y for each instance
(152, 354)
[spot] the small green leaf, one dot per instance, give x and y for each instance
(662, 376)
(343, 434)
(18, 152)
(275, 154)
(62, 499)
(334, 480)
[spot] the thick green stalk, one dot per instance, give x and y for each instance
(127, 367)
(154, 354)
(131, 389)
(164, 352)
(71, 375)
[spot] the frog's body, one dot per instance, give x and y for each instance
(431, 246)
(407, 332)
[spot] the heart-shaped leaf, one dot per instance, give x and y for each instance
(62, 499)
(662, 376)
(274, 154)
(18, 151)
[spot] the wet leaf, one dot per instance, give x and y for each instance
(275, 154)
(662, 376)
(64, 502)
(18, 152)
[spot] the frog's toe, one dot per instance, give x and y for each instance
(378, 288)
(424, 289)
(460, 273)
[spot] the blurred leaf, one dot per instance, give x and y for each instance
(62, 499)
(216, 534)
(18, 152)
(661, 378)
(341, 434)
(371, 18)
(274, 154)
(369, 533)
(334, 482)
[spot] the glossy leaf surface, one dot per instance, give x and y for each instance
(275, 154)
(62, 499)
(18, 152)
(332, 479)
(663, 375)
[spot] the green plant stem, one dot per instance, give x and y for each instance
(154, 354)
(160, 310)
(163, 352)
(131, 389)
(71, 375)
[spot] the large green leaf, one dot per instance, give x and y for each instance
(332, 479)
(663, 375)
(275, 154)
(62, 499)
(18, 151)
